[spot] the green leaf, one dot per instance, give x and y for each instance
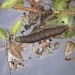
(8, 4)
(20, 3)
(64, 18)
(16, 27)
(3, 35)
(69, 34)
(60, 4)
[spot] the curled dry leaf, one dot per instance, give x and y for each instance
(21, 65)
(23, 45)
(44, 46)
(36, 52)
(69, 48)
(14, 64)
(33, 49)
(57, 45)
(15, 55)
(16, 51)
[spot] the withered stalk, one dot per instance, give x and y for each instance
(39, 11)
(27, 9)
(64, 12)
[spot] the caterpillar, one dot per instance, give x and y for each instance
(42, 35)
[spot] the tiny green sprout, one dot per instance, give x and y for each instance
(3, 35)
(16, 27)
(8, 4)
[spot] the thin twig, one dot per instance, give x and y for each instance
(27, 9)
(39, 11)
(64, 12)
(69, 59)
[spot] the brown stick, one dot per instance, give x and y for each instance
(39, 11)
(64, 12)
(27, 9)
(69, 59)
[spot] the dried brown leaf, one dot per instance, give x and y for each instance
(57, 45)
(33, 49)
(15, 64)
(15, 50)
(44, 44)
(69, 48)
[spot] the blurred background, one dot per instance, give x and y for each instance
(47, 65)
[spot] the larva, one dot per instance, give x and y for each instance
(42, 35)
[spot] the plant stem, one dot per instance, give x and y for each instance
(64, 12)
(27, 9)
(39, 11)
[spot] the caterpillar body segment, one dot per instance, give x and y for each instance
(42, 35)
